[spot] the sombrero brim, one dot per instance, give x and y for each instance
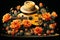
(25, 11)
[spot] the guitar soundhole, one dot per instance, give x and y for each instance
(30, 18)
(39, 19)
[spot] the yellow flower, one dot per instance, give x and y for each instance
(6, 17)
(54, 14)
(15, 24)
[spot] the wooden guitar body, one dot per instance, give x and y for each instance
(34, 18)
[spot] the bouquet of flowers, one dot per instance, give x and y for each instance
(14, 26)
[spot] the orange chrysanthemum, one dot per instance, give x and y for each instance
(26, 23)
(46, 16)
(38, 30)
(52, 26)
(6, 17)
(54, 14)
(15, 24)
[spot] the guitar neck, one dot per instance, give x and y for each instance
(19, 18)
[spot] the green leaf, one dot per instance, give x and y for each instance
(4, 24)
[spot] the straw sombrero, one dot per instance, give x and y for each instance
(29, 7)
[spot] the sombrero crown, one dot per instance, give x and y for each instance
(29, 7)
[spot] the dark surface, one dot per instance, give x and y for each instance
(5, 6)
(6, 35)
(27, 38)
(50, 37)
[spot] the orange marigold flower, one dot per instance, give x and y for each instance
(54, 14)
(38, 30)
(15, 24)
(6, 17)
(46, 16)
(41, 4)
(52, 26)
(26, 23)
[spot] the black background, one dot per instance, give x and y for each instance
(53, 5)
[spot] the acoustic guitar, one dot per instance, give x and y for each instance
(35, 19)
